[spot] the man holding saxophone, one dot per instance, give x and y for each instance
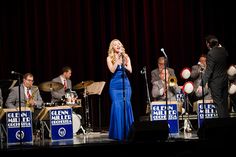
(29, 97)
(29, 94)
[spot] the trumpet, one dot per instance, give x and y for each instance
(172, 81)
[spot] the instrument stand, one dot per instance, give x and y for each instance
(2, 133)
(148, 108)
(81, 127)
(87, 117)
(96, 88)
(187, 126)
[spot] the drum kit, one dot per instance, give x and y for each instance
(84, 85)
(70, 99)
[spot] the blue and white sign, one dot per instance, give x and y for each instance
(61, 124)
(159, 112)
(19, 126)
(210, 111)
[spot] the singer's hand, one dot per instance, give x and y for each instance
(125, 60)
(118, 61)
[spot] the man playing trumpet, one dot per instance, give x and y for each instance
(161, 89)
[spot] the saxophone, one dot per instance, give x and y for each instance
(27, 103)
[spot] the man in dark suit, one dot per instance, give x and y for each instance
(216, 75)
(63, 78)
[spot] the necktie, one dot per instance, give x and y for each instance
(28, 93)
(65, 86)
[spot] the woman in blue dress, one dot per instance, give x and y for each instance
(118, 63)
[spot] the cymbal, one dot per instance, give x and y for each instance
(50, 86)
(83, 84)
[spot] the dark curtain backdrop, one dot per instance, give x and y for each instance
(42, 36)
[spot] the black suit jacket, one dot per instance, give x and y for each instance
(216, 70)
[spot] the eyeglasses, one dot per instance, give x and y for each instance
(30, 80)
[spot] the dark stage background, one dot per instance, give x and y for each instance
(42, 36)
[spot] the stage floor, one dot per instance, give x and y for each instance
(98, 144)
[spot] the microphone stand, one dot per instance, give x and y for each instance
(147, 89)
(20, 107)
(203, 105)
(124, 97)
(166, 88)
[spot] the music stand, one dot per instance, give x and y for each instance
(5, 85)
(96, 88)
(3, 129)
(44, 116)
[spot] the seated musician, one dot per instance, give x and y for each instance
(155, 74)
(59, 96)
(196, 72)
(29, 96)
(159, 87)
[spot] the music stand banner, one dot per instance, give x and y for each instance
(210, 111)
(61, 124)
(158, 112)
(15, 132)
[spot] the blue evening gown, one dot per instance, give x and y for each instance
(116, 130)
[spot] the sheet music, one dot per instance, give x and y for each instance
(13, 84)
(96, 88)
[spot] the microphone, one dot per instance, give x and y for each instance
(143, 71)
(163, 51)
(16, 73)
(120, 53)
(201, 66)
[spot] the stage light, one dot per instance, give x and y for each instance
(232, 70)
(185, 73)
(188, 87)
(232, 89)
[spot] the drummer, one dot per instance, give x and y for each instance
(64, 78)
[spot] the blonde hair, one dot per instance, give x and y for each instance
(111, 52)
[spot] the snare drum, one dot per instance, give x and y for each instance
(76, 122)
(71, 97)
(48, 104)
